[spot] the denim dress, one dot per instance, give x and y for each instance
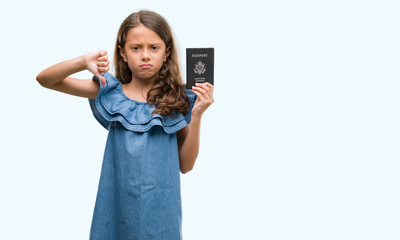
(139, 195)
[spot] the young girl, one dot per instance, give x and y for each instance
(147, 112)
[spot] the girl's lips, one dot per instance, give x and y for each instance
(145, 66)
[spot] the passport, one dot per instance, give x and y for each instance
(199, 66)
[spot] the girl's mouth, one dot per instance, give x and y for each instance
(145, 66)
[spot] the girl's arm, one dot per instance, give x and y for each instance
(189, 137)
(57, 77)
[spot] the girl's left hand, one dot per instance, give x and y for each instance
(204, 93)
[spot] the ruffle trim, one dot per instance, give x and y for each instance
(113, 105)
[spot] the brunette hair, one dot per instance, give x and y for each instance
(167, 94)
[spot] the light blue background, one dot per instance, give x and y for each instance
(301, 143)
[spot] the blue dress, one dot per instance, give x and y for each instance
(139, 196)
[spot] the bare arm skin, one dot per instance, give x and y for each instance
(57, 77)
(189, 137)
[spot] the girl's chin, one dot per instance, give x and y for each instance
(147, 76)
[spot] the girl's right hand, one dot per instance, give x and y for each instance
(97, 62)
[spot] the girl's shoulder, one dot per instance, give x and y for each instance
(190, 94)
(111, 80)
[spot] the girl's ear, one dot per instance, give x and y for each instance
(167, 52)
(122, 53)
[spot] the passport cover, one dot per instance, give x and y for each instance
(199, 66)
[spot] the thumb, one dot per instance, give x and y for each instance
(101, 77)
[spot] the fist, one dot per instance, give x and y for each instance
(97, 62)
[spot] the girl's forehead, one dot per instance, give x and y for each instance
(142, 33)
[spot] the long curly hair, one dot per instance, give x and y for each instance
(168, 91)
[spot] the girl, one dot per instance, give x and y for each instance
(147, 112)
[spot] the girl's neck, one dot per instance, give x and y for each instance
(137, 89)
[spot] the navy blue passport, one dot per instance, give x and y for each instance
(199, 66)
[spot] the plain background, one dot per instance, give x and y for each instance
(301, 143)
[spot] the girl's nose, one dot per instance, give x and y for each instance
(145, 54)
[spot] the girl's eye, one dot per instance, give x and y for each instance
(154, 48)
(135, 48)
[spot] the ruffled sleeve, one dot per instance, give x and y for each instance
(112, 105)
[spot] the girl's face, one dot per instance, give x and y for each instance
(145, 52)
